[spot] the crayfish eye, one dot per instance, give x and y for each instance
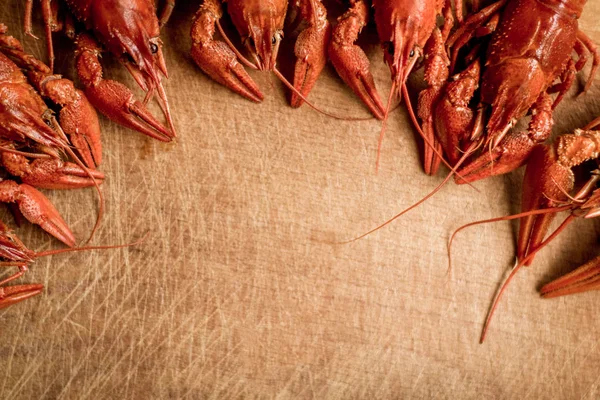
(153, 48)
(276, 37)
(412, 53)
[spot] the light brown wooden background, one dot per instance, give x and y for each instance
(236, 294)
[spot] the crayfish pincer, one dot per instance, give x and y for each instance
(403, 26)
(407, 30)
(260, 24)
(129, 30)
(550, 186)
(14, 253)
(529, 57)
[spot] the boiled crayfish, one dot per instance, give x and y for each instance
(130, 30)
(32, 139)
(14, 253)
(549, 180)
(260, 23)
(404, 27)
(78, 119)
(521, 68)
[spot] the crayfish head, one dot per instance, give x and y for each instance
(401, 49)
(261, 28)
(263, 44)
(132, 30)
(403, 31)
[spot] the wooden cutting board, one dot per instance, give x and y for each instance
(237, 292)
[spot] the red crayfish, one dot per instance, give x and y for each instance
(520, 70)
(549, 179)
(130, 30)
(14, 253)
(404, 28)
(260, 24)
(32, 139)
(527, 59)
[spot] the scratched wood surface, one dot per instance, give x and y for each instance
(237, 293)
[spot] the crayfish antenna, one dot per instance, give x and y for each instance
(88, 248)
(521, 263)
(399, 83)
(386, 115)
(594, 124)
(24, 153)
(164, 105)
(287, 83)
(239, 55)
(98, 190)
(498, 219)
(412, 207)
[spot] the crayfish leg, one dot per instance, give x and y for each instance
(14, 294)
(583, 279)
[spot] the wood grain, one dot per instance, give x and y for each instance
(237, 293)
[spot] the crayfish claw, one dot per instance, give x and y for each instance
(112, 98)
(14, 294)
(219, 62)
(548, 181)
(88, 148)
(139, 118)
(49, 173)
(37, 209)
(510, 154)
(215, 57)
(352, 64)
(310, 50)
(27, 123)
(510, 150)
(79, 121)
(118, 103)
(546, 184)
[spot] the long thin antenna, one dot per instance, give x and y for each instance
(239, 55)
(524, 261)
(384, 123)
(423, 200)
(88, 248)
(311, 105)
(498, 219)
(23, 153)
